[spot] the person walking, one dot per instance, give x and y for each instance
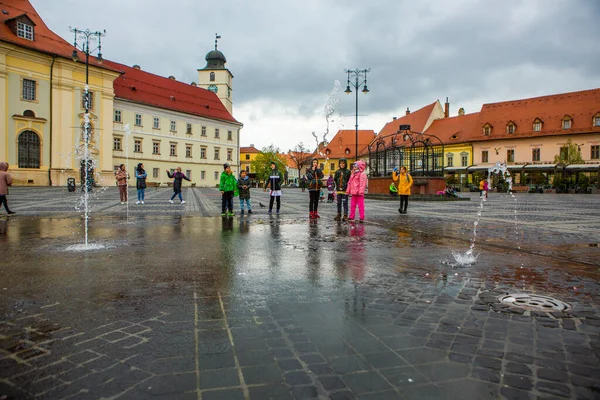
(244, 184)
(405, 182)
(314, 175)
(5, 182)
(122, 180)
(274, 184)
(140, 184)
(486, 188)
(227, 186)
(341, 178)
(303, 183)
(357, 186)
(178, 178)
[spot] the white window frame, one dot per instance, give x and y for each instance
(229, 135)
(29, 87)
(173, 126)
(138, 119)
(118, 116)
(155, 123)
(137, 145)
(188, 151)
(229, 155)
(155, 172)
(24, 31)
(173, 149)
(597, 121)
(539, 153)
(537, 126)
(203, 153)
(216, 174)
(566, 124)
(156, 147)
(202, 175)
(203, 131)
(117, 143)
(188, 128)
(217, 133)
(217, 153)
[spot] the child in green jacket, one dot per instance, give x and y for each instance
(227, 186)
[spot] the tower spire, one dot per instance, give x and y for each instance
(217, 37)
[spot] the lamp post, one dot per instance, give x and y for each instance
(360, 79)
(86, 37)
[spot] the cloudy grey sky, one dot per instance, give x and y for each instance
(285, 55)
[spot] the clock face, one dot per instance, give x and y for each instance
(213, 88)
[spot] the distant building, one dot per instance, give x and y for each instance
(343, 145)
(247, 155)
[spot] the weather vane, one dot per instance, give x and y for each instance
(217, 37)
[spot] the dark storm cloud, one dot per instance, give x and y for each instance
(291, 52)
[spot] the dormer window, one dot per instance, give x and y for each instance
(511, 128)
(453, 137)
(328, 152)
(596, 119)
(24, 31)
(537, 125)
(487, 130)
(566, 122)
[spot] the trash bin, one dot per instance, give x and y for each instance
(71, 184)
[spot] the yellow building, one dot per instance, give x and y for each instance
(42, 87)
(247, 155)
(171, 124)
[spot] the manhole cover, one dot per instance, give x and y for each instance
(534, 302)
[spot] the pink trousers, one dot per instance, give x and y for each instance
(360, 202)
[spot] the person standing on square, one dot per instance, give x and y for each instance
(244, 184)
(405, 182)
(341, 178)
(274, 184)
(357, 186)
(227, 186)
(314, 175)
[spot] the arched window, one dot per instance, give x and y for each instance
(537, 125)
(487, 130)
(28, 114)
(29, 150)
(511, 128)
(567, 121)
(212, 76)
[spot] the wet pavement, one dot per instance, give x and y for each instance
(183, 304)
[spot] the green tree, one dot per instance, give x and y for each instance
(262, 162)
(569, 154)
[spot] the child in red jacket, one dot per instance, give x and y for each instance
(357, 185)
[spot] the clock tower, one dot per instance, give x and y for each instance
(216, 77)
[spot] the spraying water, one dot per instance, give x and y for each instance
(330, 107)
(127, 133)
(470, 257)
(85, 156)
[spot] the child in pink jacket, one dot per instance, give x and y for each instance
(357, 185)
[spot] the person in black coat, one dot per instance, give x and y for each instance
(178, 178)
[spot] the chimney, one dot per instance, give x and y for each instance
(172, 77)
(137, 67)
(394, 118)
(446, 109)
(407, 111)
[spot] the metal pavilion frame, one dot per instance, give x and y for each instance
(423, 158)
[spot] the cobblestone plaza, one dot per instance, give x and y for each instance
(184, 304)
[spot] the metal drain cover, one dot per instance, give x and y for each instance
(534, 302)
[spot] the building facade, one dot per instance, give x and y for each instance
(247, 155)
(135, 116)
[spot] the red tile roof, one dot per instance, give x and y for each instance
(45, 41)
(251, 150)
(149, 89)
(451, 130)
(580, 106)
(416, 120)
(146, 88)
(346, 139)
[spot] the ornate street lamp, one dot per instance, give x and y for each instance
(86, 37)
(360, 79)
